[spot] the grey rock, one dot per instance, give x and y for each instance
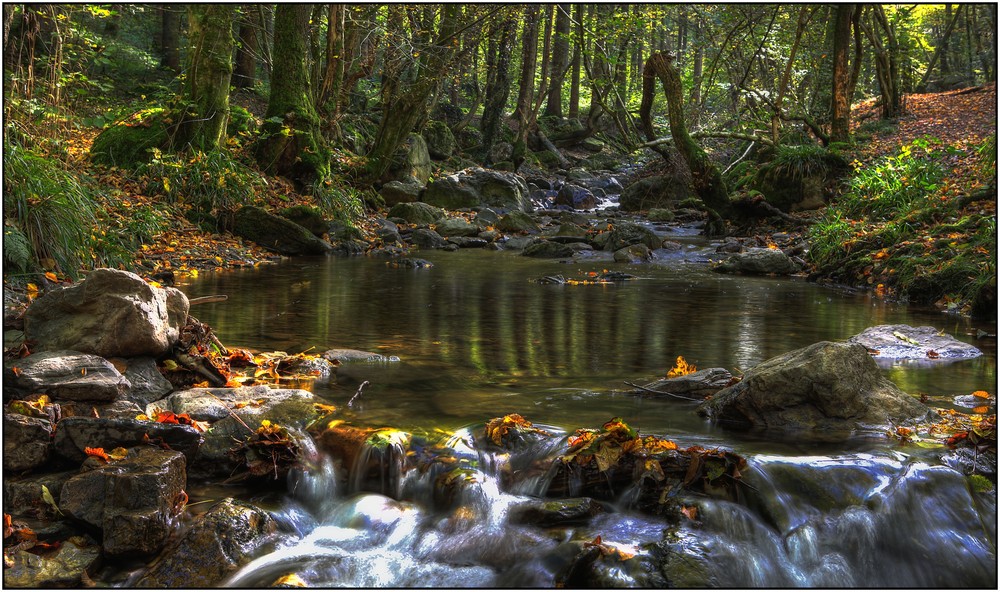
(759, 261)
(133, 501)
(653, 192)
(395, 192)
(441, 143)
(699, 385)
(478, 187)
(625, 234)
(65, 374)
(219, 542)
(885, 340)
(633, 254)
(576, 197)
(827, 387)
(416, 212)
(75, 434)
(348, 356)
(110, 313)
(544, 249)
(23, 496)
(411, 162)
(26, 442)
(426, 238)
(450, 227)
(148, 384)
(517, 221)
(277, 234)
(469, 242)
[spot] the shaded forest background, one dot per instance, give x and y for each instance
(131, 129)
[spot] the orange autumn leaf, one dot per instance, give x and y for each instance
(97, 452)
(681, 368)
(51, 276)
(690, 512)
(981, 394)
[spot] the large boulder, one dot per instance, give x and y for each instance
(517, 222)
(133, 501)
(416, 212)
(576, 197)
(110, 313)
(825, 386)
(903, 342)
(450, 227)
(625, 234)
(759, 261)
(218, 543)
(65, 374)
(440, 140)
(478, 187)
(396, 192)
(411, 162)
(658, 191)
(277, 234)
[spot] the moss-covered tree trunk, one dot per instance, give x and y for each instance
(840, 102)
(205, 112)
(706, 177)
(497, 84)
(291, 144)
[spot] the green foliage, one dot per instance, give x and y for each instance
(52, 211)
(241, 121)
(987, 153)
(17, 251)
(342, 202)
(211, 183)
(895, 185)
(796, 163)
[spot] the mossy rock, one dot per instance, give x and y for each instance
(308, 217)
(601, 162)
(547, 158)
(660, 215)
(129, 143)
(441, 143)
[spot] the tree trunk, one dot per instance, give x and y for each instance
(291, 144)
(574, 86)
(523, 111)
(202, 125)
(170, 32)
(706, 177)
(245, 70)
(886, 62)
(941, 52)
(560, 61)
(497, 85)
(840, 107)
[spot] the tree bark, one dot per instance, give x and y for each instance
(706, 177)
(170, 30)
(560, 61)
(497, 85)
(291, 143)
(840, 107)
(245, 70)
(523, 111)
(574, 86)
(940, 52)
(202, 124)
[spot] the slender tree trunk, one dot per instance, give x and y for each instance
(786, 76)
(170, 31)
(529, 55)
(939, 53)
(574, 86)
(209, 72)
(291, 143)
(497, 86)
(707, 178)
(245, 70)
(840, 108)
(560, 61)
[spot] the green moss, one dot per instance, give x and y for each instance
(128, 144)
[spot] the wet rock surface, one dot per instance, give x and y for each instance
(65, 374)
(759, 261)
(826, 386)
(217, 544)
(903, 342)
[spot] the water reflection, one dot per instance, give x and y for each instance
(474, 330)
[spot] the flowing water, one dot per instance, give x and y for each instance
(476, 339)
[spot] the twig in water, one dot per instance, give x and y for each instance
(361, 387)
(656, 392)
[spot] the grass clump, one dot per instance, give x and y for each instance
(798, 174)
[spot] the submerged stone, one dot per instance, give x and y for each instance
(903, 342)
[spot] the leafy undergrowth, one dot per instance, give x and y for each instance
(917, 221)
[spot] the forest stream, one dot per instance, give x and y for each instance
(474, 337)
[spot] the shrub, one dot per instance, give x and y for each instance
(129, 143)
